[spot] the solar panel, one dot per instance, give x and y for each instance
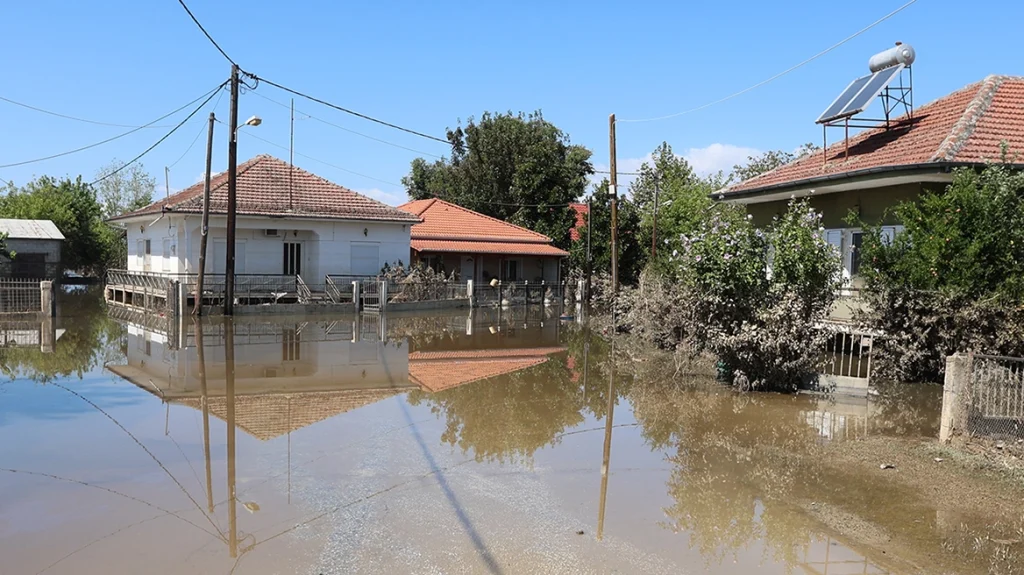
(873, 88)
(858, 95)
(832, 112)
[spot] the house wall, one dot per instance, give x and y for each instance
(50, 249)
(871, 204)
(326, 245)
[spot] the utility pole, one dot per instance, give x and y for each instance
(167, 182)
(654, 229)
(615, 205)
(205, 231)
(291, 156)
(229, 266)
(590, 265)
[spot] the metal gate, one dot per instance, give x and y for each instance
(369, 294)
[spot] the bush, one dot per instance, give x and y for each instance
(953, 280)
(754, 299)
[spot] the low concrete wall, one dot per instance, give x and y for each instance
(284, 309)
(427, 305)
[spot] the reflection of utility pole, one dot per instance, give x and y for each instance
(606, 458)
(205, 394)
(229, 398)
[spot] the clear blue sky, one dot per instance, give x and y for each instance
(426, 65)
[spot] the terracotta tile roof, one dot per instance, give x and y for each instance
(447, 227)
(438, 371)
(510, 248)
(266, 416)
(965, 127)
(263, 184)
(446, 221)
(581, 220)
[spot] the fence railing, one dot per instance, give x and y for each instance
(20, 295)
(148, 280)
(339, 288)
(848, 355)
(983, 397)
(303, 291)
(413, 291)
(518, 293)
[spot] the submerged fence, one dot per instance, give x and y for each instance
(983, 397)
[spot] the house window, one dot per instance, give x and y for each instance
(140, 252)
(147, 258)
(290, 345)
(292, 258)
(856, 238)
(434, 262)
(512, 270)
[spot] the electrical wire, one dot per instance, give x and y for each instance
(66, 117)
(207, 34)
(283, 105)
(208, 95)
(780, 74)
(347, 111)
(202, 129)
(158, 142)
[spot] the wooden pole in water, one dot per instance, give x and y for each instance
(229, 399)
(205, 231)
(607, 456)
(205, 394)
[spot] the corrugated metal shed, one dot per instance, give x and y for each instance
(30, 230)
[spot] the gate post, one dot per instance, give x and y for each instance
(46, 306)
(356, 300)
(383, 295)
(955, 395)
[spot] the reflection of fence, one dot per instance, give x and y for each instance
(20, 296)
(983, 396)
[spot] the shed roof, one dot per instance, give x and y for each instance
(964, 127)
(30, 229)
(267, 186)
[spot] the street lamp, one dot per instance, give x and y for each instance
(253, 121)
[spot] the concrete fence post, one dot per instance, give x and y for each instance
(383, 295)
(46, 303)
(355, 295)
(956, 391)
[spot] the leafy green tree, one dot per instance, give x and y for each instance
(768, 161)
(632, 253)
(72, 206)
(128, 189)
(513, 167)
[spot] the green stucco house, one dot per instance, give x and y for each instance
(880, 167)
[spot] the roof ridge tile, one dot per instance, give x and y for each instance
(964, 127)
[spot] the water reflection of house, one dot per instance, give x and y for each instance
(440, 370)
(288, 374)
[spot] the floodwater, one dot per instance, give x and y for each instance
(492, 442)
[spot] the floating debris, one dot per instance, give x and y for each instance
(251, 506)
(887, 466)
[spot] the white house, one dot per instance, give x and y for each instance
(289, 221)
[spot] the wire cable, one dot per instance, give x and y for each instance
(208, 95)
(66, 117)
(343, 128)
(347, 111)
(780, 74)
(158, 142)
(202, 129)
(207, 34)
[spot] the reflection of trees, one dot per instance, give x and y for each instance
(90, 339)
(737, 463)
(512, 415)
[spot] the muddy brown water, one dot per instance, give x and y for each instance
(491, 442)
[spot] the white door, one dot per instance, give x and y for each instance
(365, 259)
(466, 273)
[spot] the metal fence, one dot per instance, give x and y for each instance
(984, 399)
(415, 291)
(20, 296)
(523, 293)
(848, 357)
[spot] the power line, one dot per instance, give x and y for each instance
(65, 116)
(132, 131)
(347, 111)
(784, 72)
(158, 142)
(619, 173)
(276, 145)
(208, 37)
(202, 130)
(348, 129)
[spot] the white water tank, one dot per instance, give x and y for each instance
(899, 54)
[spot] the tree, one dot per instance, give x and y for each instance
(632, 253)
(72, 206)
(513, 167)
(128, 189)
(768, 161)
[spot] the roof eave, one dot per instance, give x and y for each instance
(924, 168)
